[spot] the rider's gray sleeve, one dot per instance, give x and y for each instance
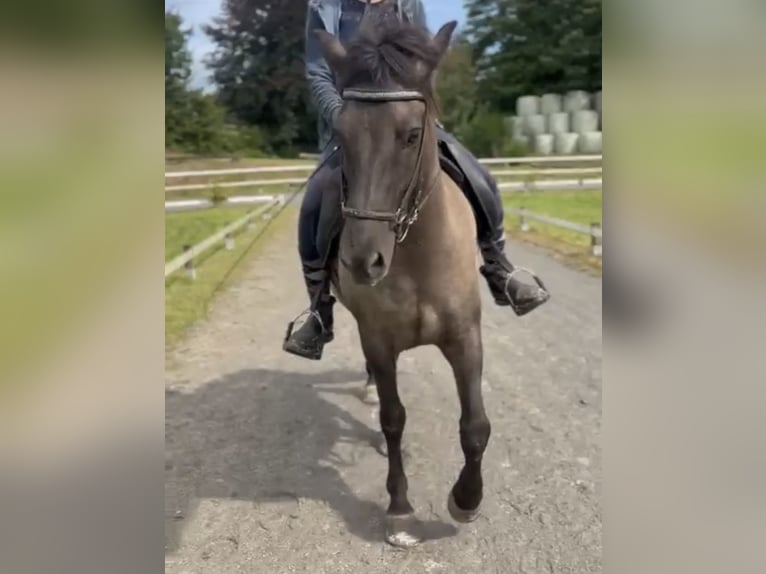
(320, 79)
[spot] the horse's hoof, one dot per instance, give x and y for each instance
(400, 530)
(369, 395)
(458, 514)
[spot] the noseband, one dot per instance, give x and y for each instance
(413, 198)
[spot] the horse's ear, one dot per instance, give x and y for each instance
(333, 51)
(443, 37)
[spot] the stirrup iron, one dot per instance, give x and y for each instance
(521, 311)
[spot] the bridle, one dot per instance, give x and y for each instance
(414, 198)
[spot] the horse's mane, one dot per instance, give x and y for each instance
(391, 52)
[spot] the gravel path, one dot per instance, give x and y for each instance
(273, 463)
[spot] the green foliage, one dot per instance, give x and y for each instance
(195, 122)
(177, 72)
(484, 134)
(262, 105)
(456, 86)
(258, 69)
(217, 196)
(528, 46)
(512, 148)
(481, 130)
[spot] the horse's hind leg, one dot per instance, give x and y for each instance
(465, 356)
(399, 516)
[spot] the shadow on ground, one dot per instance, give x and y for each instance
(269, 436)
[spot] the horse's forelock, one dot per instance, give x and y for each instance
(392, 51)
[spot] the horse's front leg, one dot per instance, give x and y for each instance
(465, 355)
(400, 515)
(369, 393)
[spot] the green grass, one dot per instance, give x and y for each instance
(186, 300)
(191, 227)
(576, 206)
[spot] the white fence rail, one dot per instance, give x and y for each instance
(551, 184)
(192, 204)
(593, 230)
(186, 259)
(496, 165)
(227, 184)
(306, 167)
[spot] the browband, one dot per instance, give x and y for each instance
(382, 95)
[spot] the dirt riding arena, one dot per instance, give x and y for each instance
(274, 465)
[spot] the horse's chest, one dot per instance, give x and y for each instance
(403, 314)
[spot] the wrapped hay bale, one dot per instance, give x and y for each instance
(590, 142)
(528, 106)
(565, 143)
(534, 125)
(544, 144)
(558, 123)
(576, 101)
(584, 121)
(551, 104)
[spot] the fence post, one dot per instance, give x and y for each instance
(523, 219)
(191, 272)
(596, 246)
(229, 241)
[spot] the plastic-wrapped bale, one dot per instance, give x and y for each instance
(590, 142)
(558, 123)
(534, 125)
(576, 101)
(550, 104)
(544, 144)
(584, 121)
(528, 106)
(565, 143)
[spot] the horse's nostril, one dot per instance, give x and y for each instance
(376, 262)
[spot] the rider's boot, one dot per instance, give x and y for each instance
(503, 281)
(309, 340)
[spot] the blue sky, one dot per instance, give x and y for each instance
(195, 13)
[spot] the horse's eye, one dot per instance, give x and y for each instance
(413, 137)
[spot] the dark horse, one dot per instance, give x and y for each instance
(406, 265)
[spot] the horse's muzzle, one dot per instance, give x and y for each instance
(367, 269)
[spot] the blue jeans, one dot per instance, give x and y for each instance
(311, 209)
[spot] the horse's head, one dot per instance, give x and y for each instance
(386, 131)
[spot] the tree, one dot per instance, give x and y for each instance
(528, 46)
(456, 86)
(259, 71)
(195, 122)
(177, 72)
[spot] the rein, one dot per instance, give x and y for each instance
(413, 198)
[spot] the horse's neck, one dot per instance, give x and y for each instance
(437, 211)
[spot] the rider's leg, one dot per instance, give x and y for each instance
(484, 196)
(309, 340)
